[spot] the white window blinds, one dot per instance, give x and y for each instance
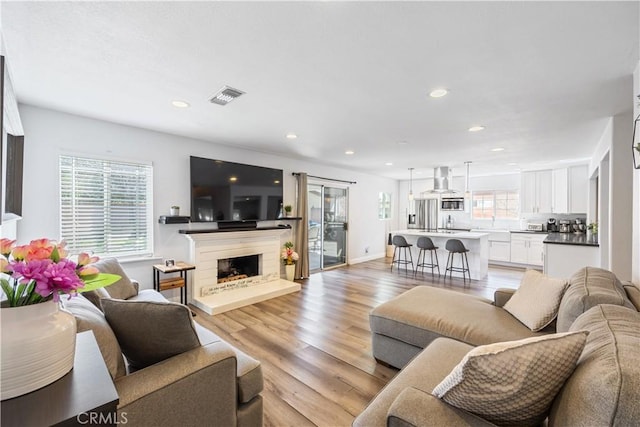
(106, 206)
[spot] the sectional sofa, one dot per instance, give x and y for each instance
(436, 335)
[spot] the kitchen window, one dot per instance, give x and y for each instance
(495, 204)
(106, 206)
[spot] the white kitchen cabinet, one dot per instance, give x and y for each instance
(563, 261)
(527, 248)
(560, 191)
(499, 251)
(536, 195)
(499, 243)
(578, 188)
(569, 189)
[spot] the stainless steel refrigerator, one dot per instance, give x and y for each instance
(423, 214)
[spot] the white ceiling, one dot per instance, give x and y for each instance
(541, 76)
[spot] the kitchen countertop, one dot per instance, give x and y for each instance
(580, 239)
(529, 232)
(442, 233)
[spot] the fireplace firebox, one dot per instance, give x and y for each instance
(230, 269)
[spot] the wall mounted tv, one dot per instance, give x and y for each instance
(226, 191)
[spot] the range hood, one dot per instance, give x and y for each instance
(441, 178)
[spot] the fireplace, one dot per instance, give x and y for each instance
(221, 255)
(242, 267)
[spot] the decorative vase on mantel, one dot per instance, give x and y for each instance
(290, 271)
(38, 344)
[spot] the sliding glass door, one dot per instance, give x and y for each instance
(327, 226)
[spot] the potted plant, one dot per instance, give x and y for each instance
(175, 210)
(289, 258)
(287, 210)
(593, 229)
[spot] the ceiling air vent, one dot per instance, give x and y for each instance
(225, 95)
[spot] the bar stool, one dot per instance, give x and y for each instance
(455, 246)
(401, 245)
(426, 244)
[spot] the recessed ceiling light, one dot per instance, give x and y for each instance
(438, 93)
(277, 181)
(476, 128)
(180, 104)
(388, 164)
(497, 149)
(233, 179)
(349, 152)
(291, 136)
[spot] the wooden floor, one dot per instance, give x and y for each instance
(315, 345)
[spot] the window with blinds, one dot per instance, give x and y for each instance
(106, 206)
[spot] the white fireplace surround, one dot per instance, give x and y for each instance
(205, 250)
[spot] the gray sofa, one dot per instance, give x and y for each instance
(213, 383)
(428, 331)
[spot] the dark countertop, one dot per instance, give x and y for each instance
(529, 232)
(580, 239)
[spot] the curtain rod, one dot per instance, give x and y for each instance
(326, 179)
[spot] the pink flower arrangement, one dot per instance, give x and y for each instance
(289, 256)
(39, 271)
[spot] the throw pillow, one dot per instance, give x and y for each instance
(149, 331)
(89, 318)
(513, 382)
(123, 288)
(535, 303)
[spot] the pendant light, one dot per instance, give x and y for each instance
(410, 184)
(467, 191)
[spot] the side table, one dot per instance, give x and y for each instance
(87, 391)
(172, 282)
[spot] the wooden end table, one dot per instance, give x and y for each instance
(174, 282)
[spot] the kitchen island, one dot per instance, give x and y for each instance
(476, 243)
(566, 253)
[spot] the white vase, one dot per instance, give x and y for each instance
(290, 271)
(38, 347)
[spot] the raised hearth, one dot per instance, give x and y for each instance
(212, 251)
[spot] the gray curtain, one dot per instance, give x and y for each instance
(302, 229)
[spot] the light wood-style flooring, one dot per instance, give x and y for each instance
(315, 345)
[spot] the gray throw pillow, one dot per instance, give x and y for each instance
(150, 332)
(89, 318)
(513, 383)
(123, 288)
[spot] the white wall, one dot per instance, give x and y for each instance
(614, 167)
(49, 133)
(635, 274)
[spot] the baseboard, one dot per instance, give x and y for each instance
(367, 258)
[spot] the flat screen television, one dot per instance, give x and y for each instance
(226, 191)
